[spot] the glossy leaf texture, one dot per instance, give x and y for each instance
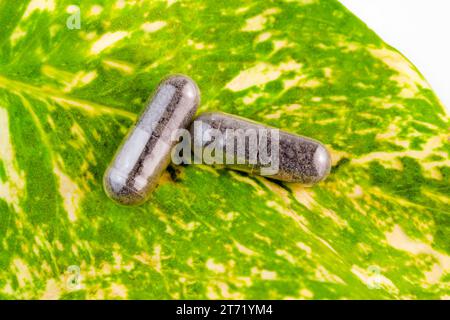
(377, 228)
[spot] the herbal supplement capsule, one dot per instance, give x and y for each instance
(237, 143)
(145, 152)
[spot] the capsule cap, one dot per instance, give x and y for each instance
(116, 188)
(322, 163)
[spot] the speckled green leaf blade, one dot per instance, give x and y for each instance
(378, 227)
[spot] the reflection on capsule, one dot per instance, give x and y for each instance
(237, 143)
(145, 152)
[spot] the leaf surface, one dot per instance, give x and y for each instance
(377, 228)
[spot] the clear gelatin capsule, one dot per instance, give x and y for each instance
(237, 143)
(145, 152)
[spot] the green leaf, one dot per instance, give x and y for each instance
(378, 227)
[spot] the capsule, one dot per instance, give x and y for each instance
(145, 152)
(233, 142)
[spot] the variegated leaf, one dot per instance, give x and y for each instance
(378, 227)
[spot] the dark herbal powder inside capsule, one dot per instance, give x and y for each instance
(145, 152)
(258, 149)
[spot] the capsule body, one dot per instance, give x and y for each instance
(145, 152)
(241, 144)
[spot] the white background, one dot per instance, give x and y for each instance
(420, 29)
